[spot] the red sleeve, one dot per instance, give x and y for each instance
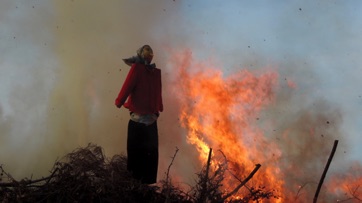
(128, 86)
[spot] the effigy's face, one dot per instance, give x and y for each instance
(147, 54)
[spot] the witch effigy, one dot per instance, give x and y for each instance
(141, 94)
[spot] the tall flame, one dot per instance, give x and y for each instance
(222, 113)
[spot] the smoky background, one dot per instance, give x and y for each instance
(61, 69)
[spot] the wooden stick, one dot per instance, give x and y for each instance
(205, 179)
(257, 166)
(325, 171)
(208, 164)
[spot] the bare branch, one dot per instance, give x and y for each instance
(257, 166)
(167, 183)
(325, 171)
(205, 179)
(300, 189)
(169, 166)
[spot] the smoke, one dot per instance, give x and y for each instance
(61, 70)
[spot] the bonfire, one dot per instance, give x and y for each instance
(86, 175)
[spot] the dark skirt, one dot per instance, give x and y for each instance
(142, 151)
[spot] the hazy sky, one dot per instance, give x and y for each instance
(61, 66)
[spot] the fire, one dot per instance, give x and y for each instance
(348, 185)
(223, 113)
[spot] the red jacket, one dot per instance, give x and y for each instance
(143, 89)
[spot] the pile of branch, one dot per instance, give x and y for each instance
(84, 175)
(209, 187)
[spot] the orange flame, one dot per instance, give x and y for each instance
(348, 186)
(225, 113)
(222, 113)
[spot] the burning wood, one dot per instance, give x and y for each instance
(86, 175)
(243, 182)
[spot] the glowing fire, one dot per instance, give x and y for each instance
(348, 185)
(222, 113)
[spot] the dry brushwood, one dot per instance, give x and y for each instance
(209, 187)
(84, 175)
(243, 182)
(171, 192)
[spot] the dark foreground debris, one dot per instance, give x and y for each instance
(86, 175)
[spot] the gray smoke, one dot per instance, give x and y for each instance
(61, 70)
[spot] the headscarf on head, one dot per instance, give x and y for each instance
(138, 58)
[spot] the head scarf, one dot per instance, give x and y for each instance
(138, 58)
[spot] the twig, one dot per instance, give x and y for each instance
(205, 179)
(167, 183)
(237, 178)
(325, 171)
(257, 166)
(23, 182)
(300, 189)
(169, 166)
(15, 183)
(353, 193)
